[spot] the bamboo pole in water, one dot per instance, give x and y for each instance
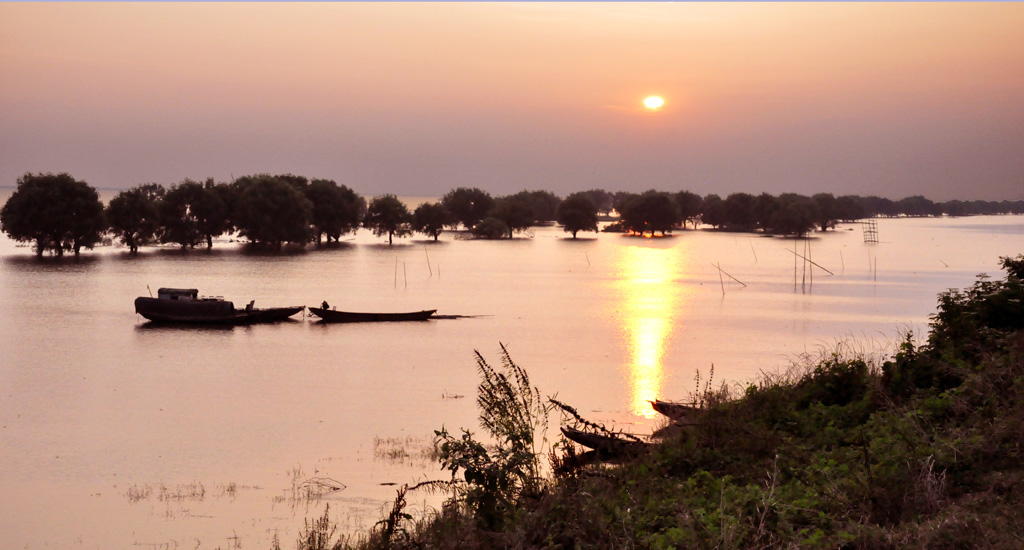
(428, 260)
(721, 271)
(405, 275)
(396, 271)
(720, 280)
(815, 264)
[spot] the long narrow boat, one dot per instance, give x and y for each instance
(335, 316)
(674, 410)
(184, 305)
(609, 444)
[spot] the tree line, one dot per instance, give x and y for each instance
(58, 213)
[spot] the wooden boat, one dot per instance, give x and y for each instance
(673, 409)
(609, 444)
(335, 316)
(184, 305)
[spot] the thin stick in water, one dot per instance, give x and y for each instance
(405, 274)
(752, 250)
(819, 266)
(396, 271)
(428, 260)
(720, 279)
(588, 257)
(721, 271)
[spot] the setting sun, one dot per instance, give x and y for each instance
(653, 102)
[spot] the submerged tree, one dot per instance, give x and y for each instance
(389, 216)
(134, 215)
(653, 211)
(515, 211)
(468, 205)
(578, 213)
(430, 218)
(337, 209)
(55, 212)
(272, 211)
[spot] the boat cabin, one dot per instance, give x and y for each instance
(177, 294)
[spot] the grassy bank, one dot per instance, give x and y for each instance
(922, 451)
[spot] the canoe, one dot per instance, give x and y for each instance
(673, 410)
(335, 316)
(603, 443)
(175, 305)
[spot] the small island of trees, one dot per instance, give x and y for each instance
(57, 213)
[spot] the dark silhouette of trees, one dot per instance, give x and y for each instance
(653, 211)
(712, 211)
(430, 218)
(826, 210)
(765, 206)
(271, 211)
(849, 208)
(515, 211)
(389, 216)
(739, 212)
(490, 228)
(578, 213)
(689, 207)
(337, 210)
(467, 205)
(543, 205)
(54, 211)
(134, 215)
(603, 200)
(796, 215)
(193, 212)
(918, 206)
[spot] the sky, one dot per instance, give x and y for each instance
(415, 99)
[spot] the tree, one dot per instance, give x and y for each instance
(826, 210)
(651, 211)
(272, 211)
(514, 211)
(55, 211)
(337, 210)
(180, 223)
(543, 204)
(796, 215)
(739, 212)
(712, 211)
(490, 228)
(134, 215)
(430, 219)
(467, 205)
(765, 206)
(603, 200)
(689, 207)
(389, 216)
(578, 213)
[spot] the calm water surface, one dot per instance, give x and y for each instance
(118, 434)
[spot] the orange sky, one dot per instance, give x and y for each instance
(888, 99)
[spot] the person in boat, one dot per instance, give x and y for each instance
(325, 305)
(248, 306)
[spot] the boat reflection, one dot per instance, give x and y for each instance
(652, 294)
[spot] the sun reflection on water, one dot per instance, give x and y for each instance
(652, 295)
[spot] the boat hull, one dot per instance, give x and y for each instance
(606, 444)
(208, 312)
(334, 316)
(673, 410)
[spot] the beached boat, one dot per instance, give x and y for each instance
(674, 410)
(610, 444)
(335, 316)
(184, 305)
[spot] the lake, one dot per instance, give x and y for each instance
(116, 434)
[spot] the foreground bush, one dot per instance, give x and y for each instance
(923, 451)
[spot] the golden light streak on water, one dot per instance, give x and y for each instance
(652, 294)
